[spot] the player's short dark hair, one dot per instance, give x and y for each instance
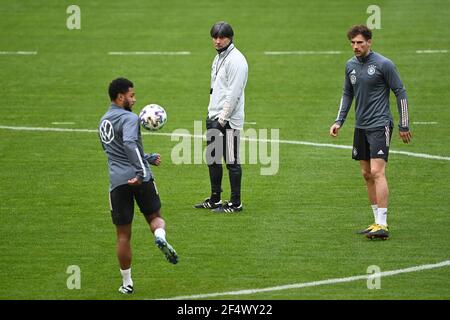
(221, 29)
(359, 29)
(119, 85)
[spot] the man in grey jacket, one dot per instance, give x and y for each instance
(130, 177)
(369, 77)
(225, 119)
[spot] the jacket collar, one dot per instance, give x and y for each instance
(227, 49)
(366, 58)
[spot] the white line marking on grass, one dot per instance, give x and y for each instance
(68, 122)
(442, 264)
(431, 51)
(18, 52)
(149, 53)
(305, 143)
(280, 53)
(46, 129)
(251, 122)
(424, 122)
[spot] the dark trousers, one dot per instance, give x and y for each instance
(223, 143)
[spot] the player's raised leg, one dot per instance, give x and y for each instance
(158, 226)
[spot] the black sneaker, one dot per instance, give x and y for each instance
(208, 204)
(228, 207)
(126, 289)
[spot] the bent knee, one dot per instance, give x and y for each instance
(153, 215)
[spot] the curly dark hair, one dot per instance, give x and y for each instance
(359, 29)
(119, 85)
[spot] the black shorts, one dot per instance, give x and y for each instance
(227, 148)
(371, 143)
(122, 201)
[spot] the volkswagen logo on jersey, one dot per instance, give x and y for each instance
(106, 131)
(371, 70)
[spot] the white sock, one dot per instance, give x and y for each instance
(160, 233)
(375, 211)
(126, 277)
(382, 216)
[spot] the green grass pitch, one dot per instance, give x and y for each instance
(298, 226)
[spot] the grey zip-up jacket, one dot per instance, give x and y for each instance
(120, 135)
(229, 74)
(370, 80)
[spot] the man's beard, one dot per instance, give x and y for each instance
(127, 105)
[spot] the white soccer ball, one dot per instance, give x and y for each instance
(153, 117)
